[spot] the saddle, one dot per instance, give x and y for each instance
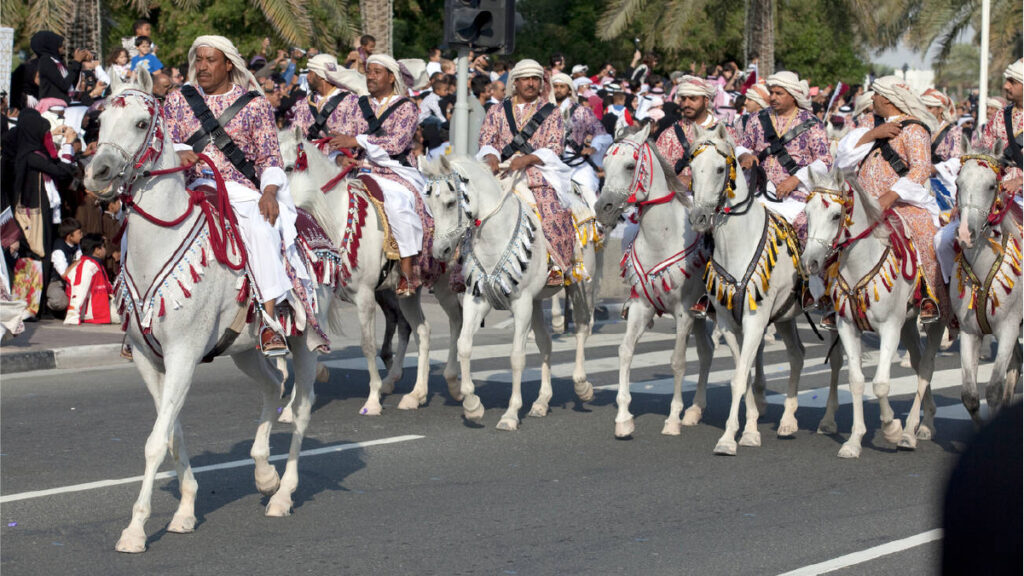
(366, 187)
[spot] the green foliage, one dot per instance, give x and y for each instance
(815, 39)
(417, 26)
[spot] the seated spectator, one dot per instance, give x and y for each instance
(65, 251)
(89, 293)
(119, 64)
(430, 108)
(356, 59)
(434, 62)
(146, 57)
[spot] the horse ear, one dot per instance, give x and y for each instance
(423, 164)
(297, 131)
(965, 144)
(698, 132)
(997, 148)
(871, 206)
(116, 85)
(143, 80)
(446, 164)
(644, 133)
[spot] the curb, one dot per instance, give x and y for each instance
(61, 358)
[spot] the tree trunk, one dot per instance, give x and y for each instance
(760, 35)
(376, 17)
(84, 28)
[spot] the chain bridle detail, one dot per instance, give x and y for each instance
(643, 176)
(719, 209)
(844, 199)
(999, 207)
(456, 184)
(152, 145)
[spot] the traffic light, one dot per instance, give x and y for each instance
(484, 25)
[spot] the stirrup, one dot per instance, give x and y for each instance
(828, 321)
(272, 343)
(404, 289)
(930, 318)
(700, 307)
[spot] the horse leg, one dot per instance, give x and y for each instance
(912, 341)
(788, 332)
(705, 354)
(888, 345)
(176, 382)
(557, 314)
(925, 371)
(387, 301)
(453, 309)
(364, 301)
(638, 317)
(473, 311)
(412, 310)
(740, 381)
(402, 325)
(835, 360)
(684, 322)
(304, 361)
(522, 314)
(995, 393)
(850, 339)
(1012, 373)
(543, 339)
(970, 351)
(255, 366)
(583, 320)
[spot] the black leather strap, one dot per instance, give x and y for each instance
(212, 130)
(320, 117)
(1013, 151)
(890, 155)
(521, 138)
(936, 159)
(777, 145)
(375, 124)
(685, 160)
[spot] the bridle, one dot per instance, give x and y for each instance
(1000, 205)
(643, 175)
(845, 200)
(728, 191)
(152, 147)
(456, 183)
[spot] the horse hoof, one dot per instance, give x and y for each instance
(673, 427)
(924, 433)
(131, 542)
(538, 410)
(387, 387)
(908, 442)
(322, 373)
(787, 428)
(752, 439)
(850, 450)
(588, 391)
(827, 428)
(726, 448)
(410, 402)
(286, 417)
(182, 524)
(624, 429)
(269, 484)
(692, 416)
(474, 415)
(892, 431)
(276, 509)
(371, 410)
(508, 424)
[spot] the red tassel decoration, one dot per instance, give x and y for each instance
(202, 257)
(184, 290)
(632, 293)
(195, 276)
(163, 309)
(665, 285)
(842, 309)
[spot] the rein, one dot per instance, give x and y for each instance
(643, 176)
(1000, 205)
(728, 190)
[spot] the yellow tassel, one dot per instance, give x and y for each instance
(764, 281)
(753, 303)
(719, 298)
(728, 303)
(970, 301)
(875, 286)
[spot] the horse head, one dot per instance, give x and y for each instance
(977, 189)
(829, 211)
(449, 204)
(131, 137)
(289, 139)
(714, 169)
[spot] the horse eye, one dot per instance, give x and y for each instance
(835, 217)
(631, 165)
(721, 170)
(142, 124)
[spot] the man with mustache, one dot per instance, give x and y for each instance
(676, 143)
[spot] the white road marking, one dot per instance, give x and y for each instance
(867, 555)
(198, 469)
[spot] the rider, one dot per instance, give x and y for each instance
(945, 147)
(334, 95)
(256, 184)
(898, 180)
(383, 128)
(694, 96)
(586, 140)
(995, 130)
(526, 131)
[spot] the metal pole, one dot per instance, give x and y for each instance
(983, 68)
(460, 121)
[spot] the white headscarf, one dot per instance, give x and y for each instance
(1015, 71)
(326, 66)
(796, 87)
(694, 86)
(758, 93)
(402, 77)
(528, 68)
(563, 78)
(933, 98)
(904, 98)
(863, 103)
(240, 73)
(416, 68)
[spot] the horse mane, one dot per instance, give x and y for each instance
(324, 207)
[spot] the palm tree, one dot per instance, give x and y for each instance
(376, 18)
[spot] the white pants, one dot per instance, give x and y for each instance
(400, 207)
(945, 243)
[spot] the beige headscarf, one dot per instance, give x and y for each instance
(792, 83)
(326, 66)
(402, 77)
(904, 98)
(758, 93)
(416, 68)
(528, 68)
(240, 73)
(1015, 71)
(863, 103)
(694, 86)
(563, 78)
(933, 98)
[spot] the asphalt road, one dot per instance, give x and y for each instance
(560, 496)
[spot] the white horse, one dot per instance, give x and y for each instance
(753, 277)
(664, 265)
(587, 231)
(171, 328)
(505, 257)
(986, 291)
(372, 274)
(871, 291)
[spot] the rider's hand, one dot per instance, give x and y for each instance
(885, 131)
(492, 161)
(747, 161)
(786, 187)
(343, 141)
(1011, 184)
(268, 204)
(521, 163)
(187, 157)
(888, 199)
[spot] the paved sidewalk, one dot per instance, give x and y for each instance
(50, 344)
